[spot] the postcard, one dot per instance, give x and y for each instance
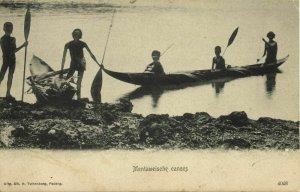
(144, 95)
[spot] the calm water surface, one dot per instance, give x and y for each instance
(194, 27)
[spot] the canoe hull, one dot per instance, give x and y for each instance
(150, 79)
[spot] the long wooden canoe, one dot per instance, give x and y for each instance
(150, 79)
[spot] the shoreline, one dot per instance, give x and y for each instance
(89, 125)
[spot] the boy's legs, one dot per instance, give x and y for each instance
(3, 71)
(79, 80)
(71, 72)
(9, 79)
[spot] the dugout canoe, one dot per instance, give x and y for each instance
(150, 79)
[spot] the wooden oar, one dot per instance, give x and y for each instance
(231, 39)
(26, 34)
(97, 82)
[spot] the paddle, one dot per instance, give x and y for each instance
(97, 82)
(167, 49)
(26, 34)
(231, 39)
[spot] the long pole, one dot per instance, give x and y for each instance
(167, 49)
(111, 24)
(26, 34)
(97, 82)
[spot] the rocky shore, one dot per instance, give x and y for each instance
(88, 125)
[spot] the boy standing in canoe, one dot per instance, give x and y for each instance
(8, 46)
(155, 67)
(218, 61)
(270, 48)
(77, 58)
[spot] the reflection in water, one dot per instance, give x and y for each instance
(271, 82)
(219, 86)
(154, 92)
(157, 91)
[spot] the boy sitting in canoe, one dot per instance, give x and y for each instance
(270, 48)
(8, 46)
(155, 67)
(77, 58)
(218, 61)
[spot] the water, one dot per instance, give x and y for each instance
(194, 27)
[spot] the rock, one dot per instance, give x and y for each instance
(202, 118)
(87, 125)
(235, 143)
(52, 132)
(125, 105)
(114, 127)
(132, 126)
(188, 116)
(83, 100)
(266, 121)
(238, 118)
(108, 117)
(153, 118)
(19, 131)
(157, 134)
(6, 137)
(90, 118)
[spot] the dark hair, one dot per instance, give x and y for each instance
(271, 35)
(218, 48)
(155, 52)
(77, 30)
(7, 26)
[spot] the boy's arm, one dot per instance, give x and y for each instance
(23, 45)
(92, 55)
(266, 42)
(265, 51)
(213, 64)
(161, 68)
(63, 61)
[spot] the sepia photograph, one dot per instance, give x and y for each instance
(149, 95)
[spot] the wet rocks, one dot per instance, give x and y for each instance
(65, 133)
(235, 143)
(19, 131)
(236, 118)
(86, 125)
(156, 134)
(157, 129)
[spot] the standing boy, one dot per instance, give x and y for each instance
(77, 58)
(8, 46)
